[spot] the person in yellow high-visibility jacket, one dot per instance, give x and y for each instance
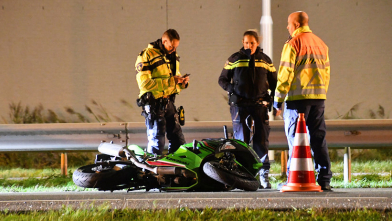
(303, 80)
(159, 80)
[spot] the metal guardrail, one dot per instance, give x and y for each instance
(69, 137)
(65, 137)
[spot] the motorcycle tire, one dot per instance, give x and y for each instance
(107, 179)
(232, 178)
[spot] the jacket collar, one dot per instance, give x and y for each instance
(158, 45)
(258, 49)
(301, 30)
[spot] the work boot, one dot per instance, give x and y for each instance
(264, 181)
(325, 186)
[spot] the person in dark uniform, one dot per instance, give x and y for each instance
(159, 80)
(250, 79)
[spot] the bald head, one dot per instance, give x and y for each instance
(300, 17)
(296, 20)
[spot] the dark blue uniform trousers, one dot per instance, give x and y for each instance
(314, 117)
(259, 114)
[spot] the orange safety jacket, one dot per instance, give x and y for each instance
(304, 70)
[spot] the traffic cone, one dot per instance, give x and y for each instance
(301, 174)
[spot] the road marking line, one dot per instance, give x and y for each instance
(28, 201)
(193, 199)
(300, 198)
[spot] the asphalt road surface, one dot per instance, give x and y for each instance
(379, 199)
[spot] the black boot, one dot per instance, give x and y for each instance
(264, 181)
(325, 186)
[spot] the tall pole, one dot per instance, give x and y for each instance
(266, 33)
(266, 28)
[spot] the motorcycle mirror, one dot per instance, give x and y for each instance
(195, 144)
(195, 147)
(225, 132)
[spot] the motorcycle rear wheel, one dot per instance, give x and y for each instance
(233, 178)
(93, 176)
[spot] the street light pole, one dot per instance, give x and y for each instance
(266, 32)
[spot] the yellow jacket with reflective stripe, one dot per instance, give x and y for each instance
(304, 70)
(154, 72)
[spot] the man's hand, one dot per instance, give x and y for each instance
(277, 108)
(181, 80)
(185, 80)
(178, 79)
(278, 112)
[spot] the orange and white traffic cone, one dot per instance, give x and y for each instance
(301, 174)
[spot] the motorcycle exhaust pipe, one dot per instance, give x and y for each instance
(144, 166)
(111, 149)
(169, 170)
(119, 151)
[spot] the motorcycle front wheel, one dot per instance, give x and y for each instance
(96, 176)
(233, 178)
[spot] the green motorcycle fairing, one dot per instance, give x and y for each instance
(248, 158)
(187, 158)
(191, 159)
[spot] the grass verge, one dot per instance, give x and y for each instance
(375, 174)
(105, 213)
(52, 183)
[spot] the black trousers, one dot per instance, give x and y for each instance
(164, 121)
(240, 116)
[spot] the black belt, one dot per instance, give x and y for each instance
(248, 102)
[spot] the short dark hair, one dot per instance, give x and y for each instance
(172, 34)
(254, 34)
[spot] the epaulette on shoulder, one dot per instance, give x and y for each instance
(141, 53)
(261, 55)
(235, 56)
(147, 52)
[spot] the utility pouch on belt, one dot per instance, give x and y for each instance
(145, 99)
(234, 99)
(147, 102)
(181, 115)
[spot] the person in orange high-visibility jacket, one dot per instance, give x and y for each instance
(303, 81)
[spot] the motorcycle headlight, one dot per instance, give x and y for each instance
(227, 146)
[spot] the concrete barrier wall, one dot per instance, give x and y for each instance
(68, 53)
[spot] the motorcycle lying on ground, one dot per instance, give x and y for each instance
(212, 164)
